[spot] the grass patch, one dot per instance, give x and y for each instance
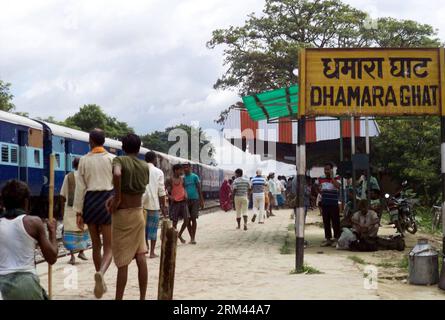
(424, 218)
(404, 263)
(357, 260)
(306, 270)
(291, 227)
(386, 265)
(287, 247)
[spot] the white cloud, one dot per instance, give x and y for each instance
(143, 61)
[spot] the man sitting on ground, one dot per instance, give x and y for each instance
(365, 227)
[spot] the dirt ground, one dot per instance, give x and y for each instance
(234, 264)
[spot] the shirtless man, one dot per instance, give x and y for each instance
(130, 178)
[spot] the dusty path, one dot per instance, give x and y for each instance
(232, 264)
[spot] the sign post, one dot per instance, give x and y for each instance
(301, 172)
(376, 82)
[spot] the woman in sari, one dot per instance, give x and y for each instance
(225, 196)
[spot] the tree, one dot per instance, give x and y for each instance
(262, 54)
(91, 116)
(158, 141)
(6, 97)
(410, 149)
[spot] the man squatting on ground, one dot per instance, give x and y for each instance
(130, 178)
(241, 189)
(19, 235)
(153, 201)
(94, 187)
(195, 199)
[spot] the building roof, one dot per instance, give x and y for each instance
(239, 124)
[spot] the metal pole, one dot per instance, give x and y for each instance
(368, 152)
(354, 192)
(368, 147)
(442, 154)
(301, 184)
(352, 136)
(342, 158)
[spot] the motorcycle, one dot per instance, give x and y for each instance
(401, 210)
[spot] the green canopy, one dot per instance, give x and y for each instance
(273, 104)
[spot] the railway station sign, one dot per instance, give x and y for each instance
(372, 81)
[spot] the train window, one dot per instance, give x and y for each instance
(5, 153)
(37, 157)
(57, 160)
(14, 155)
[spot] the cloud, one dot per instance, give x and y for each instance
(145, 63)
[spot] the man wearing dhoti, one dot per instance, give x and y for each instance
(94, 187)
(131, 176)
(74, 239)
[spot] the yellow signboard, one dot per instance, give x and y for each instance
(371, 82)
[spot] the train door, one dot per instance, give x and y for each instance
(22, 137)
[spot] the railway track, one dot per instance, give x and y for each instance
(211, 207)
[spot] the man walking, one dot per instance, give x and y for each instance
(178, 200)
(258, 197)
(329, 187)
(154, 201)
(241, 188)
(74, 239)
(94, 187)
(130, 178)
(195, 199)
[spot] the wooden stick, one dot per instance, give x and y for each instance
(51, 217)
(168, 262)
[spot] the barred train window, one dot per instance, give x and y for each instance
(58, 160)
(14, 155)
(5, 153)
(37, 157)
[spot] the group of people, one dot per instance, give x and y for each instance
(262, 194)
(359, 230)
(114, 202)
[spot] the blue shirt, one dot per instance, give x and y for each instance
(258, 184)
(191, 182)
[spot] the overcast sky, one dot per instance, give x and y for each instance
(144, 62)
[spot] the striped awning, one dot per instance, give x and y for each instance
(272, 104)
(239, 124)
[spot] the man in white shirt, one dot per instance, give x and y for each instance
(94, 187)
(153, 201)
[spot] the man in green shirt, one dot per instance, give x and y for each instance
(130, 178)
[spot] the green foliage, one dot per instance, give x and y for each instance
(357, 260)
(6, 97)
(410, 149)
(159, 140)
(91, 116)
(262, 54)
(306, 270)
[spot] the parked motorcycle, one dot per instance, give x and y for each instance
(401, 210)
